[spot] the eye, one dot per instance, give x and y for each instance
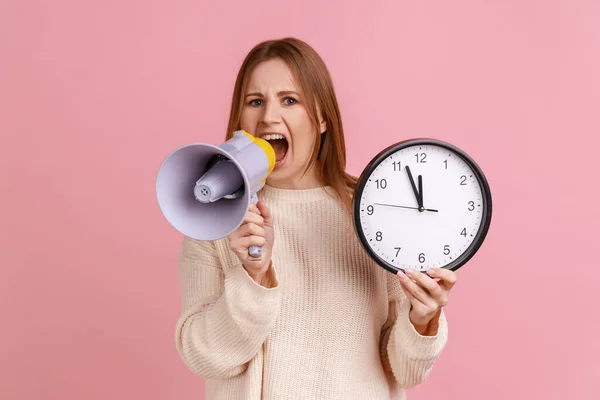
(255, 102)
(289, 101)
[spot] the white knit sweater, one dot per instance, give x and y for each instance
(335, 326)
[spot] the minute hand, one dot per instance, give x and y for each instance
(414, 187)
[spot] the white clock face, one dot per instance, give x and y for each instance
(401, 232)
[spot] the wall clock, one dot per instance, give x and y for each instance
(421, 204)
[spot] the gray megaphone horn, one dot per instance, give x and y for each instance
(204, 191)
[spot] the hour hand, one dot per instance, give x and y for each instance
(414, 187)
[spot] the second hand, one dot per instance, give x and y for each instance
(410, 208)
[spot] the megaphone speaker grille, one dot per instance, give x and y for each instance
(175, 185)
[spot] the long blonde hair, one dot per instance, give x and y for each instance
(309, 69)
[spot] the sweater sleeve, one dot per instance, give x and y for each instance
(226, 316)
(406, 354)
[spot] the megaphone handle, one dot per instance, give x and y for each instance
(255, 251)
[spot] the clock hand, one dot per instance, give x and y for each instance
(421, 192)
(410, 208)
(414, 187)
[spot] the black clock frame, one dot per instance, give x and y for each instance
(385, 153)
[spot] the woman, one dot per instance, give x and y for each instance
(315, 318)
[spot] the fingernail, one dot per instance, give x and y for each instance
(401, 274)
(430, 272)
(409, 271)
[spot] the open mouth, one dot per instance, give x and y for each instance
(279, 143)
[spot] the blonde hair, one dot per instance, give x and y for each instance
(311, 73)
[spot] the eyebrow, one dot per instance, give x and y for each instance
(282, 93)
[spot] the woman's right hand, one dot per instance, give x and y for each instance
(255, 230)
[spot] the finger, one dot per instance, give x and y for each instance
(417, 304)
(253, 208)
(409, 295)
(252, 229)
(414, 290)
(265, 212)
(446, 277)
(413, 301)
(253, 218)
(243, 243)
(432, 287)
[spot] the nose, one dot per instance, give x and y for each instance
(271, 114)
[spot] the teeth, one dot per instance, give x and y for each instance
(273, 136)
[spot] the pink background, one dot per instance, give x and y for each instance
(93, 95)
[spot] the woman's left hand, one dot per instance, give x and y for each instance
(428, 294)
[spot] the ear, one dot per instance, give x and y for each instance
(322, 123)
(323, 126)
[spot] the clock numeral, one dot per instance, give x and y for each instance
(446, 164)
(378, 236)
(463, 180)
(471, 205)
(397, 166)
(370, 210)
(422, 258)
(421, 157)
(397, 250)
(464, 232)
(446, 249)
(381, 183)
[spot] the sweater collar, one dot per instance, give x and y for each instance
(270, 193)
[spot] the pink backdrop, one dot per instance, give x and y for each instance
(93, 95)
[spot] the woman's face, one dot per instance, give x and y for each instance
(274, 110)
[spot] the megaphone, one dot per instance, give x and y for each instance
(204, 190)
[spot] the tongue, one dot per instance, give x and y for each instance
(280, 146)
